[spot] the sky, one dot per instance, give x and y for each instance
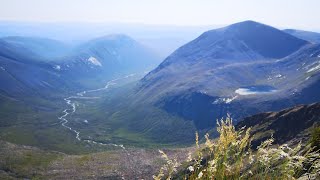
(302, 14)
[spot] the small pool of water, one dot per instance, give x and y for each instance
(252, 90)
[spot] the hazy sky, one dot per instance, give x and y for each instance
(302, 14)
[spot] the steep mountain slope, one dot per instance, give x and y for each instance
(242, 69)
(306, 35)
(292, 124)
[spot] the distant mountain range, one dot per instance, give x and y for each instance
(33, 66)
(106, 57)
(162, 39)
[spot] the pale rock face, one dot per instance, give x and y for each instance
(94, 61)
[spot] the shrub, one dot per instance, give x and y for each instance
(315, 138)
(230, 157)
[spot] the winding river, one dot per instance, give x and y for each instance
(72, 109)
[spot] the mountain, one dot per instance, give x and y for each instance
(242, 69)
(107, 56)
(292, 124)
(241, 41)
(313, 37)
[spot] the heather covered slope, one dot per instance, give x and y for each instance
(293, 124)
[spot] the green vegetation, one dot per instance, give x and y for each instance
(231, 157)
(37, 124)
(25, 162)
(106, 118)
(315, 138)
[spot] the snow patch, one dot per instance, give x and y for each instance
(2, 68)
(314, 68)
(307, 78)
(57, 67)
(278, 76)
(224, 100)
(94, 61)
(86, 121)
(246, 91)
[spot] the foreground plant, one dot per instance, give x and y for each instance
(170, 167)
(230, 157)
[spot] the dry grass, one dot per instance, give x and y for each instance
(231, 157)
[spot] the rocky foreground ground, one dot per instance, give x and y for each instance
(25, 162)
